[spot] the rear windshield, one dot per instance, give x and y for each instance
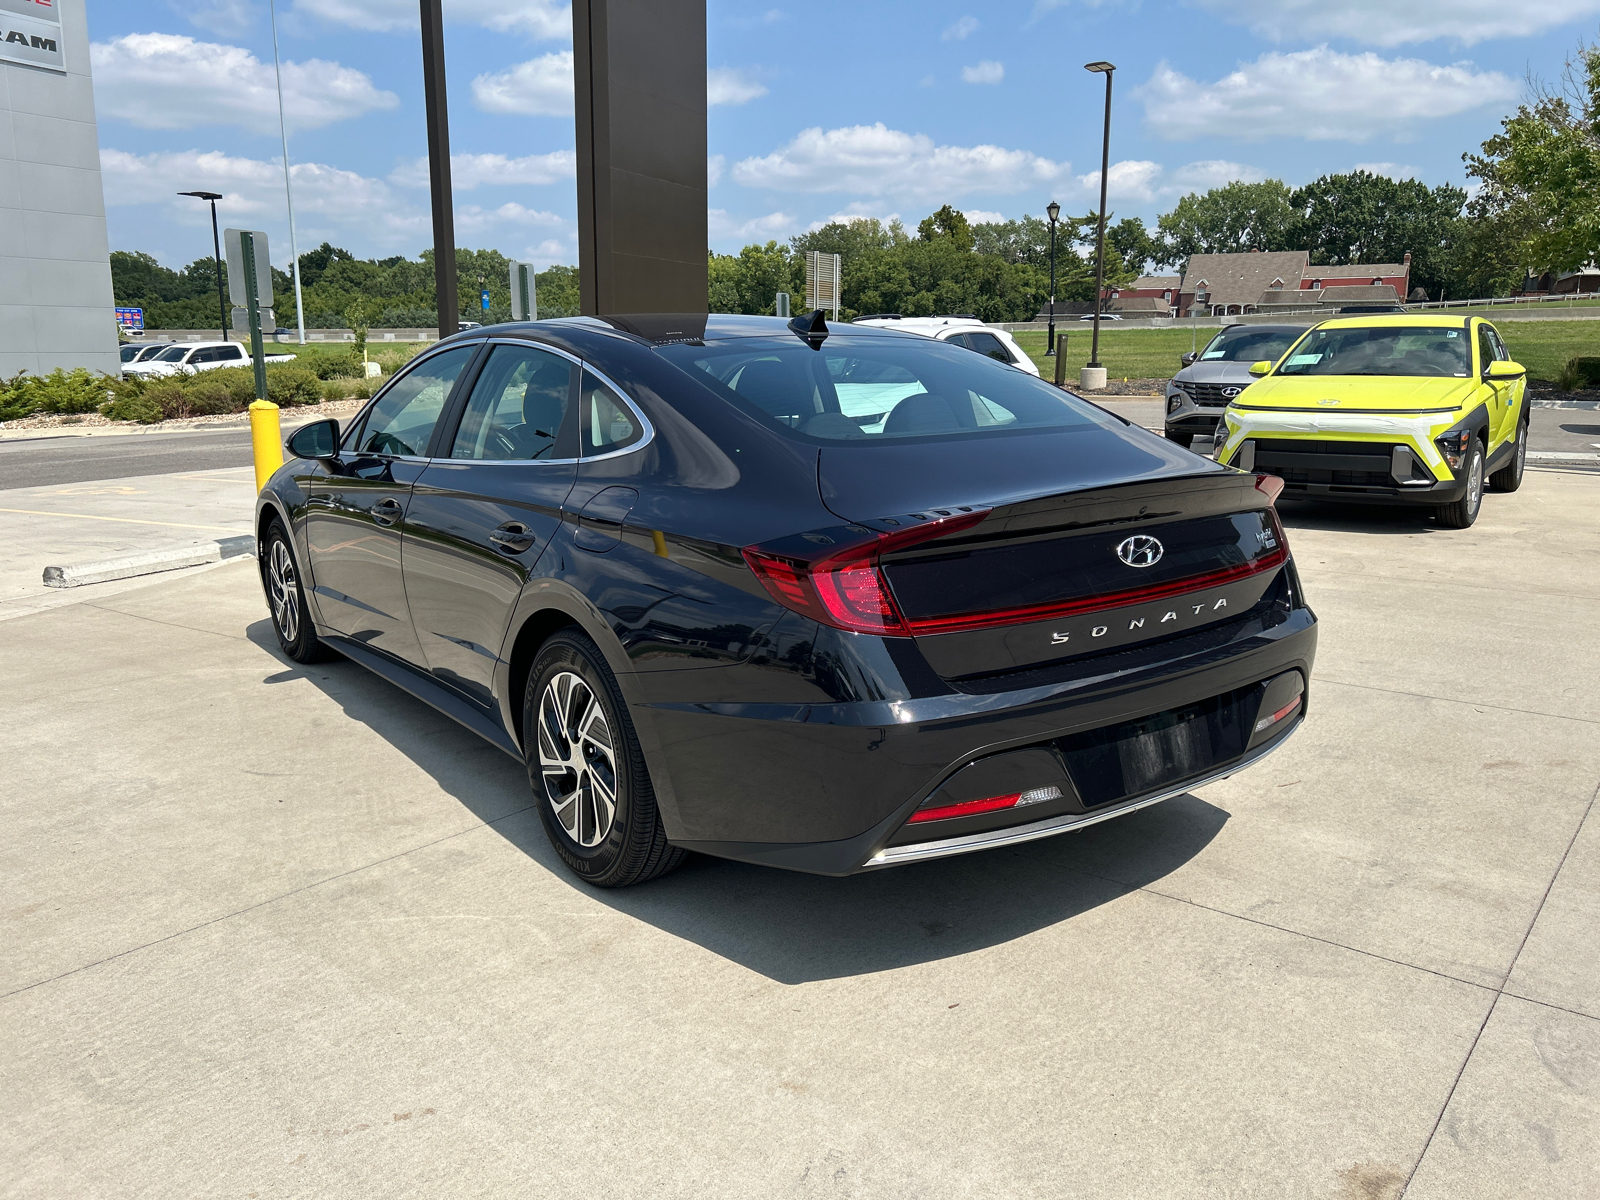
(1382, 350)
(1249, 345)
(855, 389)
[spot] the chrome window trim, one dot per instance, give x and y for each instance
(893, 856)
(644, 421)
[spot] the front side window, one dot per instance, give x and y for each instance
(1382, 350)
(172, 354)
(607, 424)
(402, 420)
(518, 406)
(867, 388)
(1244, 344)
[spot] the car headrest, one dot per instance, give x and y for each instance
(925, 412)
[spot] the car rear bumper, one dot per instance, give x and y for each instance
(829, 789)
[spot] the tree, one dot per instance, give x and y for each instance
(748, 282)
(848, 239)
(946, 223)
(1367, 218)
(1133, 244)
(1227, 220)
(1541, 172)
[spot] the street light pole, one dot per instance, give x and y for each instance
(444, 225)
(288, 192)
(1106, 69)
(1053, 211)
(216, 251)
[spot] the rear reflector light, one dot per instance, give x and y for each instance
(839, 582)
(971, 808)
(1269, 722)
(1270, 486)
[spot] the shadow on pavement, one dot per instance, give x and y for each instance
(789, 927)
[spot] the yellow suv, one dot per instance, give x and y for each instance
(1387, 409)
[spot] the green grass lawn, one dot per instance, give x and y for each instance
(1125, 353)
(1541, 346)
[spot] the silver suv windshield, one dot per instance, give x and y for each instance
(1249, 345)
(874, 388)
(1382, 350)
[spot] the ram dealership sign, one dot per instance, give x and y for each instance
(30, 32)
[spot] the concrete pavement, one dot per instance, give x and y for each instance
(282, 931)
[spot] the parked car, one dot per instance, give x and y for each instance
(959, 331)
(1388, 410)
(1213, 378)
(185, 358)
(1104, 316)
(132, 352)
(659, 561)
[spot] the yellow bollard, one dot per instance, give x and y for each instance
(266, 439)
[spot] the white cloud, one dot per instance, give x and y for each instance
(961, 30)
(730, 85)
(1388, 23)
(168, 81)
(987, 71)
(538, 18)
(1212, 172)
(1388, 169)
(468, 171)
(1318, 94)
(979, 216)
(715, 165)
(227, 18)
(371, 216)
(855, 212)
(1131, 179)
(874, 160)
(927, 81)
(723, 229)
(540, 87)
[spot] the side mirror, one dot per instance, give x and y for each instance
(1503, 369)
(320, 439)
(1264, 367)
(1189, 358)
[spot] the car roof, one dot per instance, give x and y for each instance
(1397, 321)
(662, 329)
(1268, 328)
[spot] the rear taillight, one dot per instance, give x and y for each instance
(834, 577)
(1270, 721)
(1269, 486)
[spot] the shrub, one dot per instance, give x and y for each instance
(1579, 373)
(135, 407)
(334, 366)
(78, 391)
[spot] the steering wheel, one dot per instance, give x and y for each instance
(387, 443)
(1432, 368)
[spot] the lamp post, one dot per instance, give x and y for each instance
(1053, 211)
(288, 192)
(1106, 69)
(438, 119)
(216, 250)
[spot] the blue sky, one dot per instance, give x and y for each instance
(819, 109)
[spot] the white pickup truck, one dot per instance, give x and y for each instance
(185, 358)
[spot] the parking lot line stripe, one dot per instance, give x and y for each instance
(34, 512)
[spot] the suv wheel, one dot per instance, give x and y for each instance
(1509, 477)
(1181, 437)
(587, 770)
(1464, 511)
(286, 597)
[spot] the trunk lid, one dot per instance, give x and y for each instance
(1126, 544)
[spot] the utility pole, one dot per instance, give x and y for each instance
(288, 192)
(444, 224)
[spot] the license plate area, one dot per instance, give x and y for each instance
(1120, 762)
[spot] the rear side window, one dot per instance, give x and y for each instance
(987, 343)
(606, 423)
(857, 388)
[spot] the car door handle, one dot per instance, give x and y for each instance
(386, 512)
(512, 538)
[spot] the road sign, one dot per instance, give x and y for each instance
(824, 279)
(234, 253)
(524, 295)
(130, 319)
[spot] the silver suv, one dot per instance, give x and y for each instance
(1211, 379)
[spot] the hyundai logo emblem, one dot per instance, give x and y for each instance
(1231, 392)
(1141, 550)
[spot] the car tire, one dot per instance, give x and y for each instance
(1180, 437)
(580, 743)
(1509, 477)
(1464, 511)
(286, 600)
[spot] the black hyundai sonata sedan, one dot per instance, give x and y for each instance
(809, 595)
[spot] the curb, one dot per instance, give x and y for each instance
(151, 562)
(1581, 405)
(1560, 456)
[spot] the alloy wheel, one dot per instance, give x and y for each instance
(284, 589)
(1475, 483)
(577, 760)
